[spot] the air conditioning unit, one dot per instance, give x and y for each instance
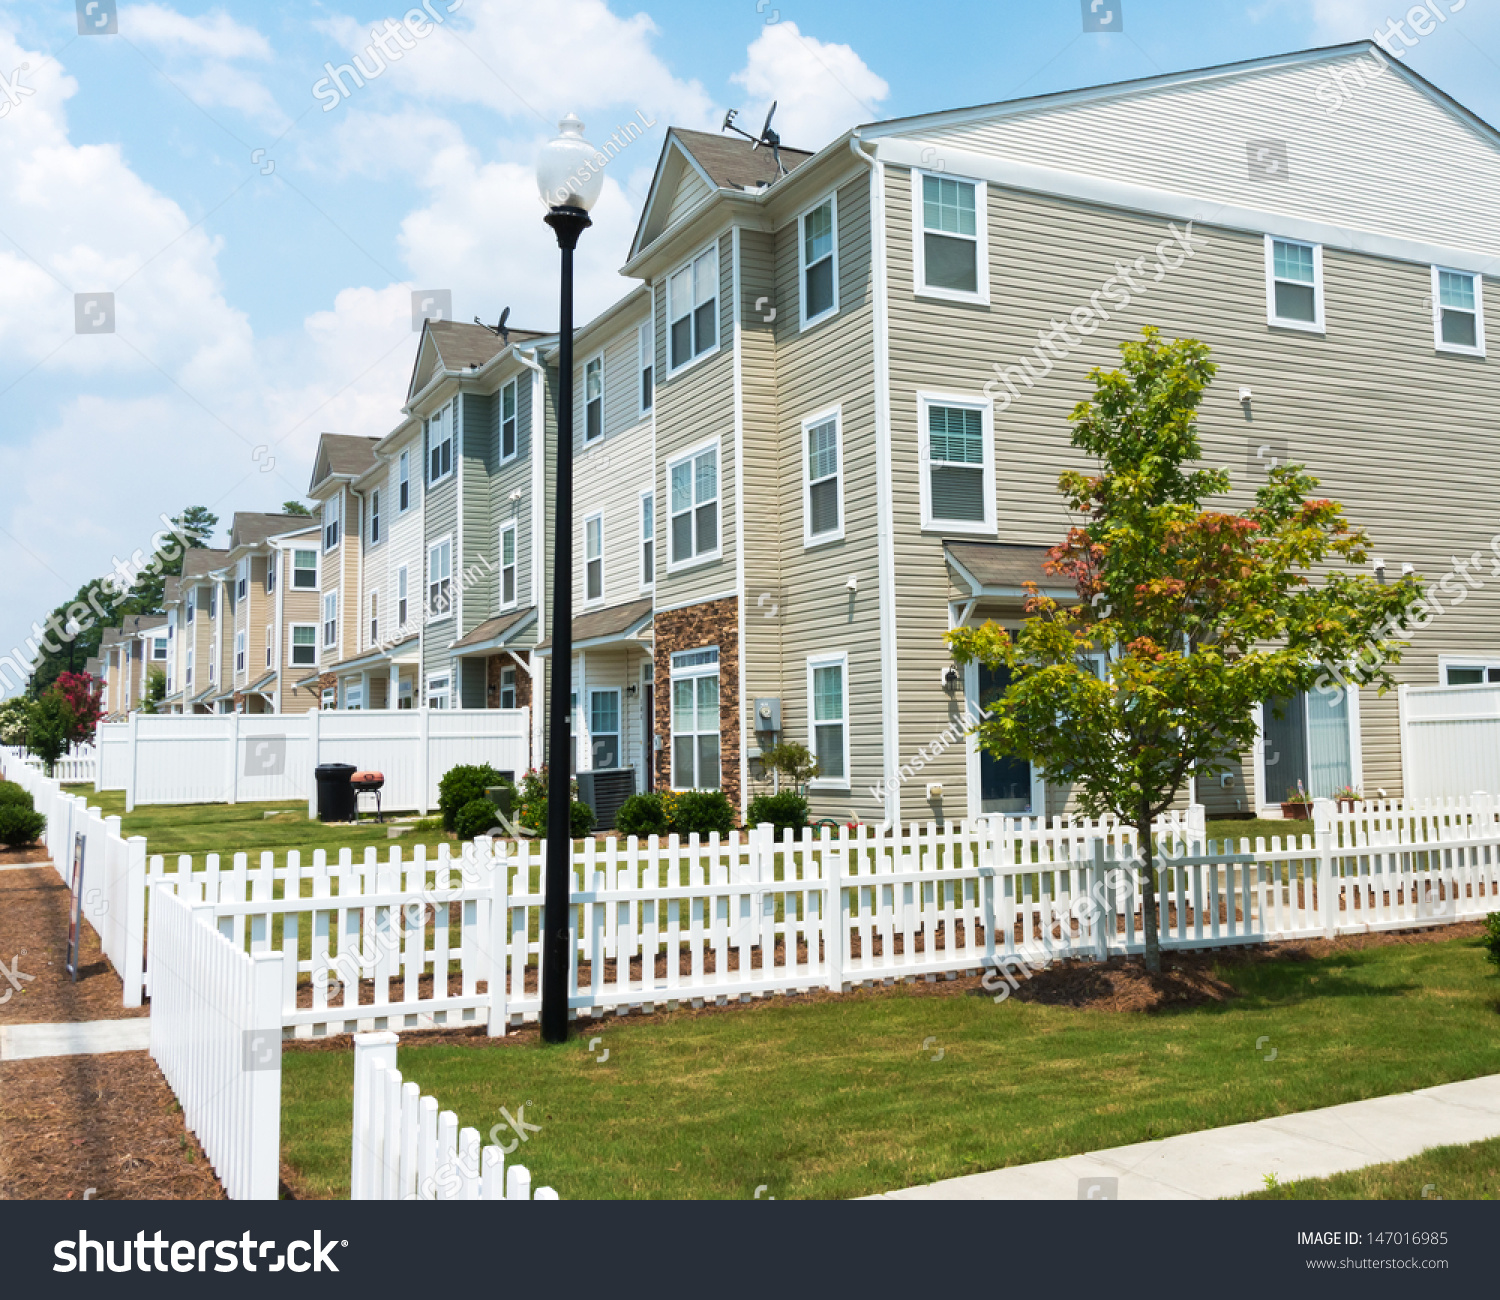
(604, 789)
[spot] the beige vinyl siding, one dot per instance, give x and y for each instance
(478, 598)
(691, 190)
(299, 606)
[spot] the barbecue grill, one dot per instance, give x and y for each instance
(368, 783)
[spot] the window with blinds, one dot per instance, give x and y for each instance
(824, 516)
(955, 447)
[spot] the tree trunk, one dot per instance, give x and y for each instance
(1148, 890)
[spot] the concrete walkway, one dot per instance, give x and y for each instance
(89, 1038)
(1235, 1160)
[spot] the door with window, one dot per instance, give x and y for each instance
(604, 728)
(695, 719)
(1307, 745)
(1007, 785)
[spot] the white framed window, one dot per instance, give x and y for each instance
(403, 483)
(949, 237)
(648, 540)
(330, 697)
(645, 360)
(507, 566)
(440, 579)
(188, 676)
(1458, 311)
(374, 618)
(304, 645)
(828, 718)
(401, 578)
(593, 398)
(817, 252)
(958, 463)
(159, 647)
(305, 570)
(693, 506)
(604, 727)
(213, 601)
(192, 604)
(374, 516)
(507, 688)
(695, 719)
(822, 478)
(330, 619)
(404, 692)
(270, 643)
(1294, 284)
(439, 691)
(354, 695)
(332, 521)
(213, 660)
(242, 579)
(509, 438)
(593, 559)
(1468, 670)
(693, 309)
(239, 652)
(272, 560)
(440, 444)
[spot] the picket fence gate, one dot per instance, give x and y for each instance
(404, 1149)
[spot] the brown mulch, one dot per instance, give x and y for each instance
(34, 931)
(109, 1122)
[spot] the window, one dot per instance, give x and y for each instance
(820, 290)
(192, 604)
(239, 652)
(693, 483)
(692, 308)
(822, 516)
(305, 570)
(1469, 672)
(1310, 744)
(440, 444)
(304, 645)
(332, 522)
(241, 579)
(330, 697)
(507, 688)
(213, 601)
(354, 696)
(828, 729)
(1294, 284)
(593, 558)
(159, 647)
(958, 479)
(330, 618)
(1458, 311)
(374, 516)
(270, 642)
(188, 676)
(593, 399)
(507, 566)
(403, 693)
(438, 691)
(403, 483)
(648, 540)
(695, 719)
(508, 440)
(645, 352)
(374, 618)
(271, 562)
(949, 240)
(604, 728)
(439, 579)
(401, 596)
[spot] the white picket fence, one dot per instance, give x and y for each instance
(174, 758)
(404, 1149)
(114, 868)
(79, 766)
(216, 1034)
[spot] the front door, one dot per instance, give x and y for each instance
(1005, 782)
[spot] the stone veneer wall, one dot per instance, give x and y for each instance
(493, 666)
(697, 627)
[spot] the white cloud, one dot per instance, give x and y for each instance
(821, 90)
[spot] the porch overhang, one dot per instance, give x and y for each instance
(1000, 570)
(495, 634)
(616, 625)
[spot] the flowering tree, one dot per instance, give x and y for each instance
(1200, 614)
(84, 694)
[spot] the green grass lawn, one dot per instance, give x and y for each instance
(1460, 1173)
(838, 1098)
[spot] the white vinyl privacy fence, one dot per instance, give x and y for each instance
(1450, 741)
(173, 758)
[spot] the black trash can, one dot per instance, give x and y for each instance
(335, 794)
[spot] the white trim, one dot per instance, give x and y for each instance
(513, 529)
(316, 568)
(826, 660)
(836, 414)
(512, 386)
(692, 673)
(427, 615)
(920, 287)
(645, 347)
(598, 358)
(1484, 662)
(448, 410)
(1314, 326)
(446, 676)
(692, 453)
(642, 541)
(374, 627)
(1458, 349)
(696, 357)
(736, 293)
(586, 709)
(323, 642)
(925, 400)
(591, 601)
(403, 460)
(291, 644)
(804, 321)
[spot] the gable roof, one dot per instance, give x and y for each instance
(454, 345)
(249, 528)
(732, 162)
(200, 561)
(339, 455)
(171, 589)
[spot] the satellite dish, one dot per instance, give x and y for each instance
(766, 137)
(499, 327)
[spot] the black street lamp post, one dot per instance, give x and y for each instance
(569, 182)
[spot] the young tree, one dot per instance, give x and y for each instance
(1202, 614)
(156, 689)
(49, 723)
(14, 713)
(84, 694)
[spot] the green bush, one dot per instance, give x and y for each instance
(11, 793)
(785, 810)
(643, 815)
(531, 805)
(1491, 937)
(424, 824)
(476, 817)
(462, 785)
(20, 826)
(703, 811)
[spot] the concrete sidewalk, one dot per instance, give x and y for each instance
(1235, 1160)
(88, 1038)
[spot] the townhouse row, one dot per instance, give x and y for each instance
(826, 426)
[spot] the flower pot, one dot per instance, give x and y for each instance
(1348, 805)
(1297, 811)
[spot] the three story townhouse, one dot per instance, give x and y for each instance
(128, 654)
(196, 604)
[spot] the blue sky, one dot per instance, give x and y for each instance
(262, 242)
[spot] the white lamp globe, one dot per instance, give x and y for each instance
(569, 170)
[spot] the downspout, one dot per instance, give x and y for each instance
(278, 549)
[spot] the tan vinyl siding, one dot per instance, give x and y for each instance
(479, 526)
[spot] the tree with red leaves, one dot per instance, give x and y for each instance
(1198, 614)
(84, 694)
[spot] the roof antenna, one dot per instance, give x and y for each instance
(499, 327)
(767, 136)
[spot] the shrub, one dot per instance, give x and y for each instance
(20, 826)
(11, 793)
(703, 811)
(785, 810)
(461, 786)
(475, 818)
(643, 814)
(424, 824)
(531, 805)
(1491, 937)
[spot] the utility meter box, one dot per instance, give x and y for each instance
(768, 715)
